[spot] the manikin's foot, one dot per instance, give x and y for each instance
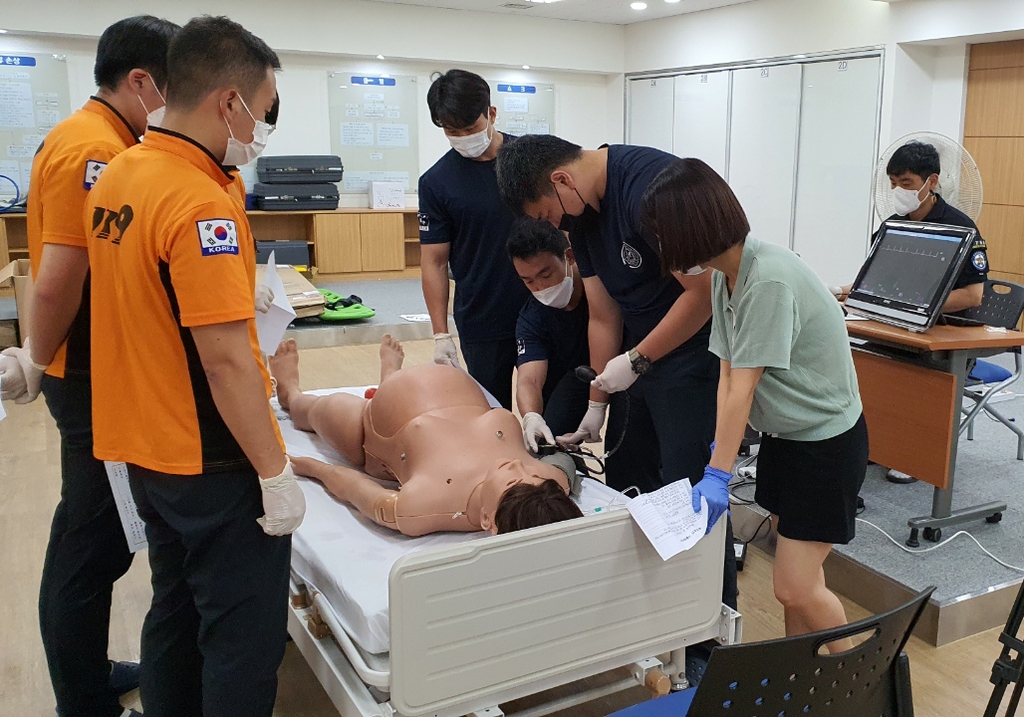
(284, 367)
(391, 357)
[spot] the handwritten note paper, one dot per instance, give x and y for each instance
(270, 327)
(134, 526)
(666, 516)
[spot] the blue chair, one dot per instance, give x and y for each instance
(1002, 305)
(795, 676)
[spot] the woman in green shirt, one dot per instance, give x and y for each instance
(786, 368)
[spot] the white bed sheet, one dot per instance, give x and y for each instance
(348, 558)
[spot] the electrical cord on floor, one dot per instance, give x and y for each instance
(757, 530)
(939, 545)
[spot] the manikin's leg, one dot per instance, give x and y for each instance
(338, 419)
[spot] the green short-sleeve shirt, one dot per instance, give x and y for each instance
(782, 318)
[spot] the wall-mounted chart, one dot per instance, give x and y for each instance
(33, 98)
(524, 109)
(373, 128)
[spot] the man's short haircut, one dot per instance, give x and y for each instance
(211, 53)
(138, 42)
(691, 215)
(525, 165)
(914, 157)
(530, 237)
(458, 98)
(526, 506)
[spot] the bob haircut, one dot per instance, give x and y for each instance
(691, 215)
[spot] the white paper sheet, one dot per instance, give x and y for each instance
(270, 327)
(666, 516)
(3, 413)
(416, 318)
(134, 526)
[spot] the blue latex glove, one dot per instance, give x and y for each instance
(714, 487)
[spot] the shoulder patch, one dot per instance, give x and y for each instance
(979, 261)
(217, 236)
(93, 169)
(424, 221)
(521, 346)
(979, 243)
(631, 257)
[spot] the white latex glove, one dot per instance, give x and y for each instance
(31, 375)
(534, 428)
(12, 378)
(617, 376)
(445, 351)
(264, 298)
(590, 427)
(284, 505)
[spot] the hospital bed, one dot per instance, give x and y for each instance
(457, 623)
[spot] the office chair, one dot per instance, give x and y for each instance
(998, 308)
(790, 677)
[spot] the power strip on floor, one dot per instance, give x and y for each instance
(1004, 395)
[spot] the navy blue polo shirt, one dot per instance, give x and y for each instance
(612, 247)
(460, 206)
(975, 269)
(553, 335)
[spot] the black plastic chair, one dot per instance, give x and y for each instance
(788, 677)
(1002, 305)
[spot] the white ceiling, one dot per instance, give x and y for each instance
(615, 12)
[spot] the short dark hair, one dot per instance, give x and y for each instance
(526, 505)
(136, 42)
(214, 52)
(525, 166)
(457, 99)
(693, 214)
(530, 237)
(916, 157)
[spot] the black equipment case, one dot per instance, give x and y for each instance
(299, 169)
(293, 197)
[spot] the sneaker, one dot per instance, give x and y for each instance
(124, 677)
(895, 476)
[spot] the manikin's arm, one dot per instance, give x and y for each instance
(353, 487)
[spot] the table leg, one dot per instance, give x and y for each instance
(942, 514)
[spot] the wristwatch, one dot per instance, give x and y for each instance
(641, 364)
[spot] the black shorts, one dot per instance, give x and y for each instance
(813, 485)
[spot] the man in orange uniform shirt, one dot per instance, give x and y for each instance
(87, 551)
(180, 390)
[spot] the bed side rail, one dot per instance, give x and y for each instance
(492, 620)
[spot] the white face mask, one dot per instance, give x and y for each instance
(559, 295)
(156, 117)
(695, 271)
(905, 201)
(239, 153)
(472, 146)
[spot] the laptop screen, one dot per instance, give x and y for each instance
(910, 271)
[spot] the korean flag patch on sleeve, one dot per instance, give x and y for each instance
(93, 170)
(217, 236)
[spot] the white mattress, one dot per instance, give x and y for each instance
(348, 558)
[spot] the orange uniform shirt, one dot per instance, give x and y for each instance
(67, 164)
(169, 249)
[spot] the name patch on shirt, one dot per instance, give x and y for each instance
(93, 170)
(424, 221)
(631, 257)
(217, 236)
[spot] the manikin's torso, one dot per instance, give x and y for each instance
(431, 429)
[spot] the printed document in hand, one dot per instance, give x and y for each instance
(666, 516)
(270, 327)
(134, 527)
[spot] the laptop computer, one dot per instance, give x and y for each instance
(909, 273)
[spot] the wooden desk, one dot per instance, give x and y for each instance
(348, 240)
(911, 385)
